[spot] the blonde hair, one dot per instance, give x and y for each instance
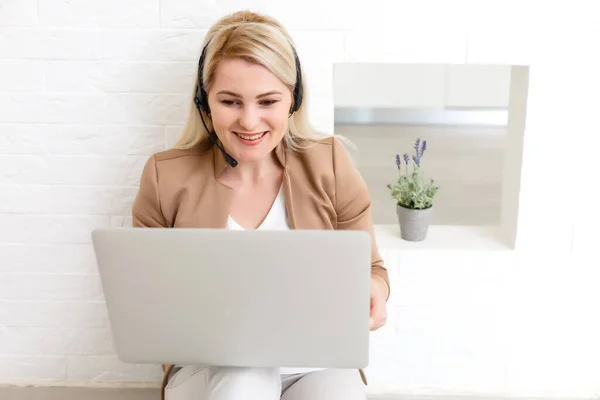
(258, 39)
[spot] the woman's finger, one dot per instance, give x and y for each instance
(378, 312)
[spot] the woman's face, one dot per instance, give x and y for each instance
(249, 108)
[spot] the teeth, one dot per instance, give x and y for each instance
(255, 137)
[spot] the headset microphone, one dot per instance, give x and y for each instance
(230, 160)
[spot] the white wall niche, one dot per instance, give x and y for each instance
(473, 118)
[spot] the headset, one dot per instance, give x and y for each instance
(201, 100)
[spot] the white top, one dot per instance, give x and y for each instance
(276, 219)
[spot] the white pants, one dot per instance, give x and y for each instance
(234, 383)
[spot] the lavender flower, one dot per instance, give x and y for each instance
(417, 161)
(410, 190)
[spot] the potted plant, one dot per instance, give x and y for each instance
(414, 195)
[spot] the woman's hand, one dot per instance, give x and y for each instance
(379, 291)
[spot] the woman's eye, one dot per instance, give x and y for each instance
(264, 102)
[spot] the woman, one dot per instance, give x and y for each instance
(249, 159)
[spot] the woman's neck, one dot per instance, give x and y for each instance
(250, 173)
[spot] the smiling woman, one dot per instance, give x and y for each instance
(270, 71)
(249, 109)
(249, 159)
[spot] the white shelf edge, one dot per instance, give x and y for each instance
(444, 237)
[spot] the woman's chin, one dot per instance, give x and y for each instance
(250, 156)
(244, 153)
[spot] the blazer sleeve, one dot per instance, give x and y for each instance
(353, 203)
(146, 210)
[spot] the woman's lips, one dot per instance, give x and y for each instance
(250, 136)
(251, 139)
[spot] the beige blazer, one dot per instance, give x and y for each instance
(322, 190)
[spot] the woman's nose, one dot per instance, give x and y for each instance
(249, 118)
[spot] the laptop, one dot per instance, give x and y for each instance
(298, 298)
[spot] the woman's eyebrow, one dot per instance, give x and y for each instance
(240, 96)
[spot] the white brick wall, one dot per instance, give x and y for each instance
(90, 88)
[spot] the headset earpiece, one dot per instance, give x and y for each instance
(201, 98)
(298, 92)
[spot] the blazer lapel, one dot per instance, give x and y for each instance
(288, 197)
(280, 152)
(220, 205)
(218, 196)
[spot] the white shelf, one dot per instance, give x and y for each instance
(444, 237)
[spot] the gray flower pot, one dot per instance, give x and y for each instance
(414, 223)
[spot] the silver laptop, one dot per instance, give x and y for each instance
(297, 298)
